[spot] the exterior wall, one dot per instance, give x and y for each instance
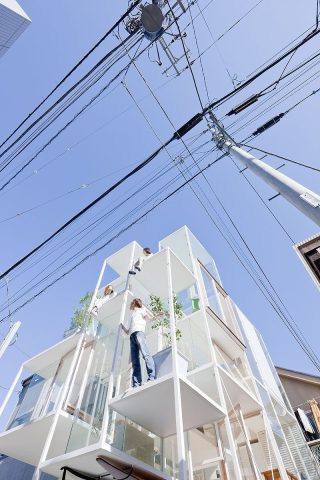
(13, 21)
(299, 391)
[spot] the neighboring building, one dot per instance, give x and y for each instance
(309, 253)
(10, 467)
(216, 411)
(13, 22)
(303, 391)
(15, 470)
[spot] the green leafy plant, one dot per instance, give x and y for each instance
(163, 321)
(80, 312)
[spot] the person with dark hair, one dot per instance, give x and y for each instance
(137, 266)
(138, 342)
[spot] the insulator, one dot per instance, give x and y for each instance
(268, 124)
(242, 106)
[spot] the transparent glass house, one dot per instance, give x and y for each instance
(216, 411)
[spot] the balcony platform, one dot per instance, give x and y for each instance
(25, 442)
(238, 394)
(153, 276)
(52, 354)
(151, 406)
(85, 460)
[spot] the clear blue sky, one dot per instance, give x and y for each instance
(60, 33)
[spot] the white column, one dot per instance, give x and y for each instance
(115, 356)
(274, 445)
(47, 443)
(233, 450)
(10, 391)
(176, 379)
(301, 197)
(247, 440)
(94, 296)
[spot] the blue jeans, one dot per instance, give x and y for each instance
(138, 344)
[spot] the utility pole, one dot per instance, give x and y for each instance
(298, 195)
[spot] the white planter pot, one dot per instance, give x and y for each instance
(163, 362)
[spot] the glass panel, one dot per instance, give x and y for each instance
(170, 456)
(211, 293)
(204, 378)
(243, 453)
(228, 313)
(277, 430)
(178, 243)
(194, 343)
(134, 440)
(205, 455)
(201, 254)
(236, 367)
(40, 393)
(189, 299)
(88, 397)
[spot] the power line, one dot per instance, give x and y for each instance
(62, 129)
(92, 49)
(310, 167)
(97, 250)
(274, 303)
(61, 110)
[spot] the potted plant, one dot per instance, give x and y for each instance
(163, 358)
(79, 315)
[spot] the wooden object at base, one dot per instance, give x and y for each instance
(275, 475)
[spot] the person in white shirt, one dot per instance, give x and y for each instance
(137, 266)
(138, 343)
(108, 294)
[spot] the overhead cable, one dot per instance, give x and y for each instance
(310, 167)
(73, 69)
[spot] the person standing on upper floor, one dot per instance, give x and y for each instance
(138, 344)
(137, 266)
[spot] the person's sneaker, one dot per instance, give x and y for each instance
(138, 268)
(131, 272)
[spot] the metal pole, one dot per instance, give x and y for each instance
(299, 196)
(111, 382)
(93, 299)
(248, 444)
(47, 443)
(176, 379)
(235, 460)
(10, 391)
(8, 338)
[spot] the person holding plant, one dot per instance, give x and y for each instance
(138, 344)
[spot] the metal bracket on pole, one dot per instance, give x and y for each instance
(274, 196)
(298, 195)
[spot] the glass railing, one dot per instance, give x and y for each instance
(134, 440)
(86, 401)
(40, 396)
(237, 368)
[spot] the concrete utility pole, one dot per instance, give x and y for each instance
(301, 197)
